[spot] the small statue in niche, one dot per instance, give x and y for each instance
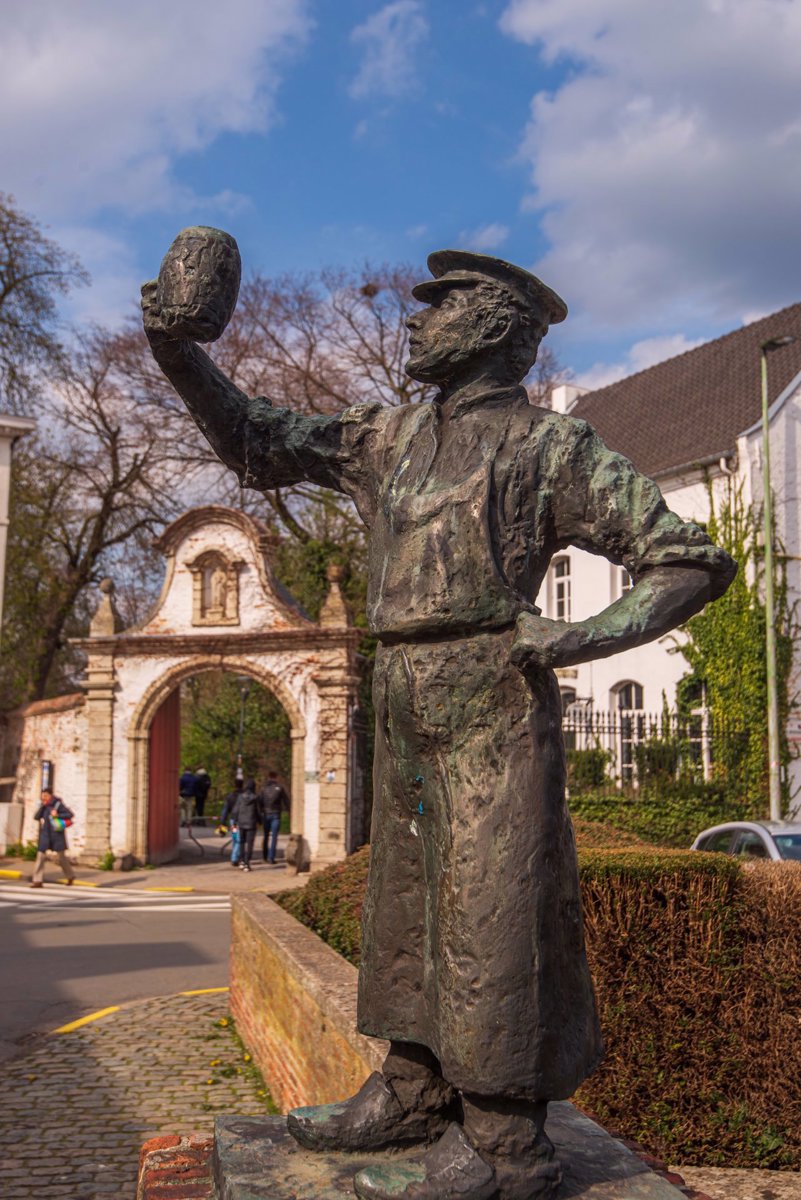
(218, 591)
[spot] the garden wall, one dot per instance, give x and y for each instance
(293, 1000)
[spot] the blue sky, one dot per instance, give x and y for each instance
(642, 157)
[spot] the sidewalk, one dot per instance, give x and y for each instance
(206, 872)
(77, 1108)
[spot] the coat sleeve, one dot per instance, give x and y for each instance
(277, 447)
(65, 813)
(40, 812)
(604, 505)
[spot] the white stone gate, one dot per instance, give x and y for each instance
(221, 609)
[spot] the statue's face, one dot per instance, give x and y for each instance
(444, 337)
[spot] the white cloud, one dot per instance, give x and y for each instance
(639, 357)
(389, 40)
(667, 166)
(486, 237)
(98, 99)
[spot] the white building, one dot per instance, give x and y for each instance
(688, 423)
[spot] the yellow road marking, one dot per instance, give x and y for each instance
(203, 991)
(10, 874)
(95, 1016)
(168, 889)
(80, 882)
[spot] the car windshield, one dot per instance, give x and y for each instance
(789, 845)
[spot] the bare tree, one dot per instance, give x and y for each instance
(97, 478)
(34, 272)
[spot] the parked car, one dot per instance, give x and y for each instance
(775, 840)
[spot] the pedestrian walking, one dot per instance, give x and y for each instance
(276, 802)
(227, 823)
(248, 815)
(186, 791)
(54, 819)
(202, 785)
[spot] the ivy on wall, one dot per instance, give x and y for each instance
(725, 649)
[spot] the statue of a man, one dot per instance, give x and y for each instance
(473, 963)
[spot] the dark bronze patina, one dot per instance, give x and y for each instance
(473, 960)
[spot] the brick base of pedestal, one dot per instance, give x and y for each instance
(176, 1168)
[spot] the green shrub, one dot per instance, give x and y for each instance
(670, 814)
(26, 851)
(697, 969)
(586, 769)
(107, 861)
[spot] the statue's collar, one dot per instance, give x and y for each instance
(488, 398)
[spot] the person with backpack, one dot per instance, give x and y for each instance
(54, 819)
(276, 802)
(248, 815)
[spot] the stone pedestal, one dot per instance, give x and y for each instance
(255, 1158)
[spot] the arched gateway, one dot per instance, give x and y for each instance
(220, 609)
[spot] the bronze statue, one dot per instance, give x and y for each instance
(473, 961)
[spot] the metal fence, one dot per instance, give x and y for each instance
(625, 748)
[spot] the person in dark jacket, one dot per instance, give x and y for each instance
(186, 790)
(53, 817)
(248, 815)
(276, 802)
(202, 785)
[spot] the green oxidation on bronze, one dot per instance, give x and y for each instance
(396, 1177)
(473, 963)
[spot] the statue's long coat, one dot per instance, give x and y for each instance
(472, 935)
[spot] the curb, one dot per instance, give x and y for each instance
(6, 874)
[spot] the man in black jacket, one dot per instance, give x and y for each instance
(276, 802)
(53, 817)
(248, 815)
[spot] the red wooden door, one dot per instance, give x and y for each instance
(163, 771)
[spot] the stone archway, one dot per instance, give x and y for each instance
(139, 742)
(247, 624)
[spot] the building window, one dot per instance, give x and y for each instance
(627, 698)
(561, 589)
(568, 697)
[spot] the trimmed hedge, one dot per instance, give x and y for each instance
(697, 969)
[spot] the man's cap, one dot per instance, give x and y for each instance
(455, 267)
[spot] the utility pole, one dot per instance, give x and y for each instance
(11, 428)
(774, 756)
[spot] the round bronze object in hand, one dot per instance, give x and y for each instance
(199, 283)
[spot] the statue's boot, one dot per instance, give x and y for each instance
(451, 1170)
(510, 1136)
(406, 1102)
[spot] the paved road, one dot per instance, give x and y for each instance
(68, 951)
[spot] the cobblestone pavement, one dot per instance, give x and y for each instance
(723, 1183)
(77, 1107)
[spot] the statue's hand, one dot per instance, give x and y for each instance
(152, 317)
(540, 642)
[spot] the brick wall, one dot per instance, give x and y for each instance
(294, 1002)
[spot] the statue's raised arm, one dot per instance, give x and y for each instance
(267, 446)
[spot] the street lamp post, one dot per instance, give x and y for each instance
(774, 756)
(245, 683)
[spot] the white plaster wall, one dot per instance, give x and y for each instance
(61, 737)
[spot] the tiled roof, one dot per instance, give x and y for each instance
(693, 406)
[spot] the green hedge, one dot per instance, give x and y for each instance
(697, 969)
(671, 815)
